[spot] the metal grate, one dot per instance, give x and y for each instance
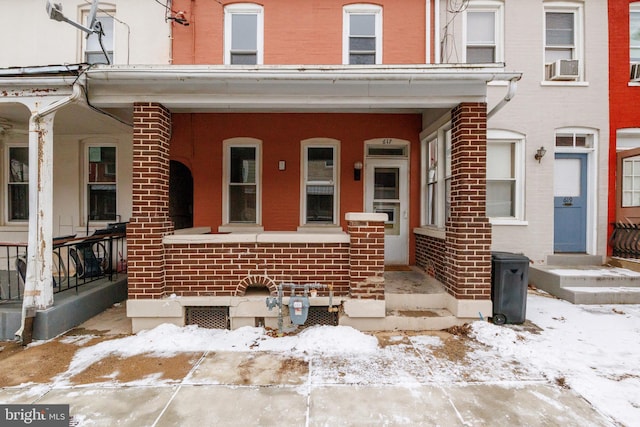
(318, 315)
(208, 317)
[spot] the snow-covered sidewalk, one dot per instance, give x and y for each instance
(563, 350)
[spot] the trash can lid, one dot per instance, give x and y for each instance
(508, 256)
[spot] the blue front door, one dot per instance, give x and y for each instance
(570, 203)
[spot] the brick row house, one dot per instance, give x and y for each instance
(318, 142)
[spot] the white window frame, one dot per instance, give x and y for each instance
(635, 189)
(517, 140)
(497, 8)
(7, 182)
(577, 50)
(319, 143)
(86, 182)
(226, 182)
(438, 137)
(244, 9)
(361, 9)
(107, 12)
(633, 8)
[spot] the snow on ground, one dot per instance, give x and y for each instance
(594, 350)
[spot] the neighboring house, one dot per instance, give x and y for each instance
(321, 148)
(624, 158)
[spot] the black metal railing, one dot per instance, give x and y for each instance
(76, 262)
(625, 240)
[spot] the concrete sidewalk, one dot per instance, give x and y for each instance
(271, 389)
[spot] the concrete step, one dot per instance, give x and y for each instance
(588, 284)
(405, 320)
(574, 259)
(415, 302)
(584, 276)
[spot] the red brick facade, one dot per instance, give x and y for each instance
(150, 187)
(430, 253)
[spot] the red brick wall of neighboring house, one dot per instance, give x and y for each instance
(299, 32)
(150, 220)
(197, 142)
(468, 232)
(624, 105)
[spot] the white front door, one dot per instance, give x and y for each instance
(386, 191)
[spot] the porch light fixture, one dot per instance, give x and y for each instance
(357, 169)
(540, 152)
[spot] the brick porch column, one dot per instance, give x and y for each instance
(366, 255)
(468, 232)
(150, 220)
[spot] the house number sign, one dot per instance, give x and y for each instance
(567, 201)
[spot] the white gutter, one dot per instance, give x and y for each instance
(38, 292)
(511, 92)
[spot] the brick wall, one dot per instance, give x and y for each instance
(366, 253)
(430, 256)
(149, 222)
(467, 268)
(227, 269)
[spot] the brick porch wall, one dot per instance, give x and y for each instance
(468, 232)
(367, 257)
(227, 269)
(430, 253)
(149, 222)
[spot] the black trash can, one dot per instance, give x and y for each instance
(509, 280)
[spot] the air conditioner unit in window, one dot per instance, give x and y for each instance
(635, 72)
(563, 69)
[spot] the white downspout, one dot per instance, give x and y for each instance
(511, 92)
(38, 290)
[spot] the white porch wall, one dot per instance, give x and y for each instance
(68, 186)
(31, 38)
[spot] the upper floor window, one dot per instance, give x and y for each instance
(634, 40)
(101, 182)
(320, 181)
(242, 194)
(362, 34)
(563, 55)
(243, 34)
(98, 48)
(483, 39)
(18, 183)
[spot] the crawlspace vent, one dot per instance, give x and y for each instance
(319, 315)
(208, 317)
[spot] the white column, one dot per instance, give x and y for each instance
(38, 290)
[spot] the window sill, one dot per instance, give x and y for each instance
(507, 221)
(568, 83)
(240, 228)
(634, 84)
(15, 227)
(329, 228)
(431, 231)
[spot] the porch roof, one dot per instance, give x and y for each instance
(264, 88)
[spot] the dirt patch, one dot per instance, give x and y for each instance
(292, 365)
(454, 348)
(418, 313)
(134, 368)
(37, 364)
(386, 339)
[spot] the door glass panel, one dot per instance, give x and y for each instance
(567, 178)
(387, 195)
(386, 184)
